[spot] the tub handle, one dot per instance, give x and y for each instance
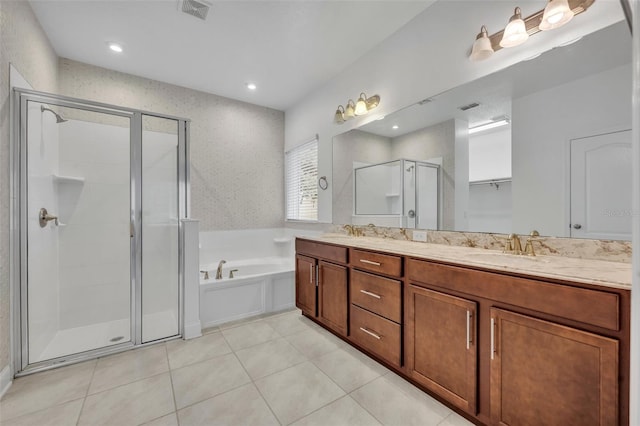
(206, 274)
(231, 272)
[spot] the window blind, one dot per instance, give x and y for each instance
(301, 182)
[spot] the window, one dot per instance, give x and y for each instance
(301, 182)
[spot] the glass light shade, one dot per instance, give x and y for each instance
(556, 14)
(349, 111)
(516, 31)
(482, 48)
(373, 102)
(339, 118)
(361, 105)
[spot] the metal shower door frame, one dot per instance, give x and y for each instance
(19, 213)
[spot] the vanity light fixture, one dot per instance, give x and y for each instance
(251, 86)
(339, 119)
(515, 33)
(394, 127)
(554, 15)
(353, 109)
(501, 121)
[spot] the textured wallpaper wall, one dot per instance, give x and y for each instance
(237, 171)
(23, 44)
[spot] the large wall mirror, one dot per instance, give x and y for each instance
(544, 144)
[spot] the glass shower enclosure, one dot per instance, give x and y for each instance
(99, 191)
(403, 193)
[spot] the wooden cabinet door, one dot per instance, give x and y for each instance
(441, 351)
(332, 296)
(306, 285)
(548, 374)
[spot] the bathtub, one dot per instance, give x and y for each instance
(259, 285)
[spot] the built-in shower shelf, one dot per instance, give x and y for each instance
(67, 179)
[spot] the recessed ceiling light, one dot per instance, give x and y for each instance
(394, 127)
(115, 47)
(251, 86)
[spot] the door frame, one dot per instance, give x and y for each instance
(18, 232)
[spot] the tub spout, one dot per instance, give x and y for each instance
(219, 271)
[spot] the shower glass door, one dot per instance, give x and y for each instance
(160, 213)
(78, 231)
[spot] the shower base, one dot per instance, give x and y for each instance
(81, 339)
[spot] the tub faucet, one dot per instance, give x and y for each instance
(219, 271)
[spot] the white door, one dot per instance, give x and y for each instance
(601, 186)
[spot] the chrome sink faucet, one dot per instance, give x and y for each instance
(219, 271)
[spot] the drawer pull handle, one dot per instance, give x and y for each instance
(370, 333)
(311, 275)
(370, 262)
(368, 293)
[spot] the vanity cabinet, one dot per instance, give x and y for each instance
(546, 373)
(500, 347)
(322, 283)
(306, 291)
(376, 304)
(441, 345)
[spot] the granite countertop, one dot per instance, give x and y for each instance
(587, 271)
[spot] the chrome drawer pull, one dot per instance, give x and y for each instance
(468, 328)
(370, 262)
(368, 293)
(493, 338)
(370, 333)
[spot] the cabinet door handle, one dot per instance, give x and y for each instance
(493, 338)
(311, 274)
(468, 329)
(368, 293)
(370, 262)
(370, 333)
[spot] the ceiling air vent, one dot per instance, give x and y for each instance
(197, 8)
(468, 107)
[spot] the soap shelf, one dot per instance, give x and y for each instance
(67, 179)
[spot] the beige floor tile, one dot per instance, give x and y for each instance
(185, 352)
(269, 357)
(343, 412)
(42, 390)
(312, 343)
(417, 394)
(297, 391)
(197, 382)
(128, 367)
(130, 404)
(391, 406)
(168, 420)
(242, 407)
(455, 420)
(289, 323)
(58, 415)
(250, 334)
(348, 371)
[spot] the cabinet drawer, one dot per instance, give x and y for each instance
(377, 294)
(321, 250)
(377, 262)
(599, 308)
(376, 334)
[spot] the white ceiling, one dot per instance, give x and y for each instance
(287, 48)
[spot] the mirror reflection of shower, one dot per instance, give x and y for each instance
(59, 118)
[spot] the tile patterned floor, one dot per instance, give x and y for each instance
(276, 370)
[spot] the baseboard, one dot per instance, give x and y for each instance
(193, 330)
(5, 380)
